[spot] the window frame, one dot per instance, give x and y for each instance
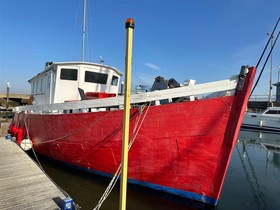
(69, 76)
(96, 77)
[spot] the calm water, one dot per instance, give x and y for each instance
(252, 181)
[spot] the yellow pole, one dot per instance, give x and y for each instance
(129, 25)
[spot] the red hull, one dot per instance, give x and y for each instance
(183, 148)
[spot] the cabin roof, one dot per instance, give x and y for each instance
(48, 68)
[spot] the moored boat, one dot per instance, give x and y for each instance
(267, 121)
(182, 136)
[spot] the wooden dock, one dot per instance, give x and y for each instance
(23, 185)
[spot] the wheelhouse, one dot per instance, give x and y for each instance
(62, 82)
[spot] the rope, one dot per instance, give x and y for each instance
(76, 206)
(34, 153)
(114, 180)
(118, 172)
(78, 130)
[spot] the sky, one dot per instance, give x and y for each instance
(204, 40)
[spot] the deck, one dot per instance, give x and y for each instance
(23, 185)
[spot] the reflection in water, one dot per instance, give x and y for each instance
(251, 175)
(258, 155)
(270, 142)
(252, 181)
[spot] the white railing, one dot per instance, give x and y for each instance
(206, 88)
(262, 98)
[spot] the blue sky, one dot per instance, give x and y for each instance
(205, 40)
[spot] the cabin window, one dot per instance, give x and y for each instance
(272, 112)
(69, 74)
(42, 85)
(94, 77)
(49, 82)
(33, 87)
(114, 81)
(37, 86)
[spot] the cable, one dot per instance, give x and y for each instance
(265, 63)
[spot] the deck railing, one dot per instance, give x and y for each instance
(262, 98)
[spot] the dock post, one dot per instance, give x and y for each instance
(129, 25)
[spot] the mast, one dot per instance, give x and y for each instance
(84, 32)
(270, 78)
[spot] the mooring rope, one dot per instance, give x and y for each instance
(114, 180)
(33, 151)
(76, 206)
(118, 172)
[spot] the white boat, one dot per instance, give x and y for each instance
(268, 120)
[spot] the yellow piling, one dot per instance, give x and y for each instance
(129, 25)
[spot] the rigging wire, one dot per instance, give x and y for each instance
(265, 63)
(271, 36)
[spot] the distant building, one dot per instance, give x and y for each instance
(14, 99)
(277, 85)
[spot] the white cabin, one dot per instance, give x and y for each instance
(60, 82)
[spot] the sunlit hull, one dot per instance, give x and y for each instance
(180, 148)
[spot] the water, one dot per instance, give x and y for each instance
(252, 181)
(253, 178)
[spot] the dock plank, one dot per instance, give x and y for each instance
(23, 185)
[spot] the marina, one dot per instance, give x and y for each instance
(23, 185)
(174, 145)
(252, 182)
(88, 124)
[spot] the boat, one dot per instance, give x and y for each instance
(181, 136)
(181, 144)
(266, 121)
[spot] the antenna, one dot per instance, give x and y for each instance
(101, 60)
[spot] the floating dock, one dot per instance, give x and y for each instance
(23, 185)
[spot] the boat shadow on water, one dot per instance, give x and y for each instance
(87, 188)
